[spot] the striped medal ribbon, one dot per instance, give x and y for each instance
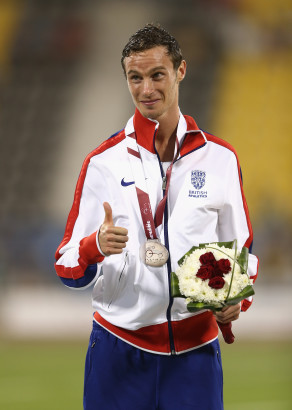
(152, 252)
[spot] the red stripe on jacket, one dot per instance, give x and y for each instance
(188, 334)
(83, 261)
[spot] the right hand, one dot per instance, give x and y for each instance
(112, 239)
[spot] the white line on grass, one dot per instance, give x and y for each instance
(260, 405)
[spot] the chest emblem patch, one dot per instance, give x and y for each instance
(198, 178)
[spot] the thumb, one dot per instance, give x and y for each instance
(108, 218)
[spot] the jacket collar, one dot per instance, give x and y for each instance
(189, 135)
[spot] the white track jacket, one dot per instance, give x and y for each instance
(130, 299)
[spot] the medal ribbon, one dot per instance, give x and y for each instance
(149, 222)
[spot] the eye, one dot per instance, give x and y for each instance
(158, 75)
(134, 78)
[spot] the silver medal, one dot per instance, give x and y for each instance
(153, 253)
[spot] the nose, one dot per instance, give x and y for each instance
(147, 87)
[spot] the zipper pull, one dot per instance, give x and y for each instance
(164, 182)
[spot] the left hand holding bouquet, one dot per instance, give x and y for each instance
(224, 318)
(228, 313)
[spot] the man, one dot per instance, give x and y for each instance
(145, 197)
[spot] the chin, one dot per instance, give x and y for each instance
(151, 115)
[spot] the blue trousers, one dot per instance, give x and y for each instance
(119, 376)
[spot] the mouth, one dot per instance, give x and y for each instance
(149, 103)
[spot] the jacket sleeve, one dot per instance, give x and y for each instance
(234, 222)
(78, 258)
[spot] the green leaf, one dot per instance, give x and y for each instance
(228, 245)
(197, 306)
(243, 259)
(175, 292)
(245, 293)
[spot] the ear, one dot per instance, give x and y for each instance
(181, 71)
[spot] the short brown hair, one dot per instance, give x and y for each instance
(153, 35)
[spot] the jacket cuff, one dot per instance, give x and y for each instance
(98, 245)
(245, 304)
(89, 251)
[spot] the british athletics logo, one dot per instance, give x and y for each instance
(198, 179)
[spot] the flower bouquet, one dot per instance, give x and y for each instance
(212, 276)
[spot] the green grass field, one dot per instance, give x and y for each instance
(49, 376)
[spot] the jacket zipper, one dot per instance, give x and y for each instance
(168, 312)
(166, 243)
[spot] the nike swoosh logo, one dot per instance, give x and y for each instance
(124, 183)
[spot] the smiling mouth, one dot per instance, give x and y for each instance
(149, 103)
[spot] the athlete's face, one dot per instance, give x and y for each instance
(153, 82)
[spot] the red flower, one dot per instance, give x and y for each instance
(205, 272)
(217, 282)
(207, 259)
(222, 266)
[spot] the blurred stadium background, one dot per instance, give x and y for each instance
(62, 92)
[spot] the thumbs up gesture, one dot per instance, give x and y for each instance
(112, 239)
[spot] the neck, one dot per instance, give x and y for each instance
(166, 137)
(165, 147)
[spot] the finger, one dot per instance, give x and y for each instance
(118, 238)
(107, 235)
(116, 245)
(108, 242)
(227, 319)
(114, 249)
(231, 319)
(108, 246)
(230, 309)
(222, 314)
(227, 316)
(108, 217)
(116, 230)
